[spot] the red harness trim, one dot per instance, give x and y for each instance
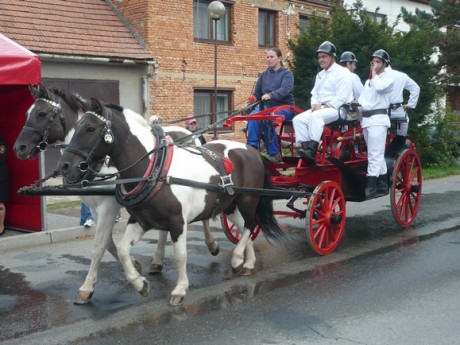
(228, 165)
(164, 172)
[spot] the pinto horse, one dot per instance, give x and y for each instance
(51, 119)
(188, 189)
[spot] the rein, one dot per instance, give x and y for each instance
(184, 139)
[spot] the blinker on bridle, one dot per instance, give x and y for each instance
(106, 135)
(43, 145)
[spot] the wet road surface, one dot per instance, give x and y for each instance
(38, 284)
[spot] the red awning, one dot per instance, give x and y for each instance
(18, 66)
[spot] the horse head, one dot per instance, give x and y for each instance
(50, 119)
(90, 144)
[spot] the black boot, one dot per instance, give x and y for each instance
(382, 185)
(396, 145)
(371, 184)
(308, 151)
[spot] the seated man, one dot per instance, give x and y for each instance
(333, 88)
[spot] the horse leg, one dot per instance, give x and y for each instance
(131, 236)
(180, 255)
(213, 245)
(156, 266)
(243, 258)
(249, 263)
(104, 216)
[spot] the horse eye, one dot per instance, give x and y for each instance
(91, 129)
(42, 114)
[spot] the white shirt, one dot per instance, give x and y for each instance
(376, 95)
(357, 86)
(332, 87)
(402, 82)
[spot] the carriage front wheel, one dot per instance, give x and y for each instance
(325, 217)
(406, 187)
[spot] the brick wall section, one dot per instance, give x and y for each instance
(167, 27)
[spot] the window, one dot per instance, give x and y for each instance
(203, 102)
(304, 23)
(267, 28)
(378, 17)
(203, 28)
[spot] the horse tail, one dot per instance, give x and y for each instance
(265, 217)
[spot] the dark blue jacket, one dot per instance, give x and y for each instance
(278, 84)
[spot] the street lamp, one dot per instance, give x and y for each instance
(216, 10)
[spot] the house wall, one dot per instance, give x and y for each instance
(167, 27)
(129, 77)
(392, 8)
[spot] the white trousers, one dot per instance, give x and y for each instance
(403, 126)
(309, 125)
(375, 137)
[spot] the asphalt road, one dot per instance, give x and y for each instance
(38, 284)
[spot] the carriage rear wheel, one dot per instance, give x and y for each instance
(325, 217)
(406, 187)
(232, 232)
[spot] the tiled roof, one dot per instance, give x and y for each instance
(89, 28)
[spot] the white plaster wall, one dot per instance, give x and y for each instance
(129, 77)
(391, 8)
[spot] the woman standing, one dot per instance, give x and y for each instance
(4, 185)
(274, 87)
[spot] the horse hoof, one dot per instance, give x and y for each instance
(214, 248)
(176, 301)
(155, 269)
(137, 266)
(83, 297)
(238, 269)
(144, 292)
(248, 271)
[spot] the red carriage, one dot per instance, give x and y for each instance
(338, 177)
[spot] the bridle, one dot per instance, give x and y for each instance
(106, 136)
(56, 112)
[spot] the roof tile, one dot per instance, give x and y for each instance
(82, 28)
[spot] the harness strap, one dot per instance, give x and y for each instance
(369, 113)
(226, 179)
(242, 190)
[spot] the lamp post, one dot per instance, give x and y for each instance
(216, 10)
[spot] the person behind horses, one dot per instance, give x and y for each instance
(398, 110)
(274, 87)
(192, 126)
(332, 89)
(348, 60)
(375, 100)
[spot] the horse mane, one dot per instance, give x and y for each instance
(128, 112)
(74, 100)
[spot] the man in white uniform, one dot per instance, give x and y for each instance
(332, 89)
(375, 100)
(348, 60)
(399, 110)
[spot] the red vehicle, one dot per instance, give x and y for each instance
(320, 193)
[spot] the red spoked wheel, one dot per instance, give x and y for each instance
(325, 217)
(406, 187)
(232, 232)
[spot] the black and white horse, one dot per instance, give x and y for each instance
(188, 191)
(51, 120)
